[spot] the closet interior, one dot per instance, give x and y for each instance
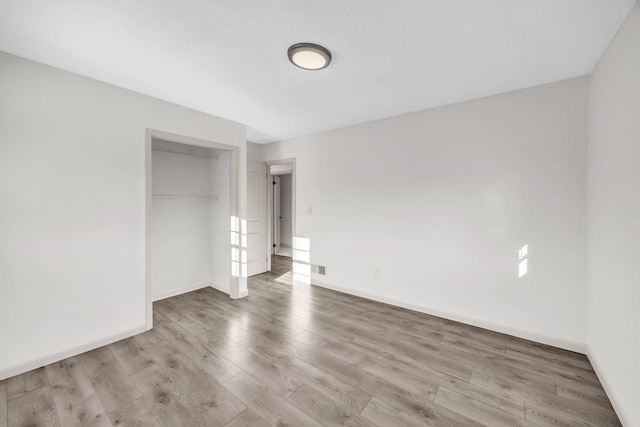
(190, 225)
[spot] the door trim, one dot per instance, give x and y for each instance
(277, 214)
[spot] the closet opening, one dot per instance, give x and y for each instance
(193, 227)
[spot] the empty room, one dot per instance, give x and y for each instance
(291, 213)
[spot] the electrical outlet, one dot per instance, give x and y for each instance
(376, 273)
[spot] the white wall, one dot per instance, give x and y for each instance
(285, 210)
(72, 217)
(614, 220)
(254, 152)
(187, 229)
(441, 200)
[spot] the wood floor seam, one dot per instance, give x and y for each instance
(97, 395)
(436, 393)
(55, 407)
(134, 384)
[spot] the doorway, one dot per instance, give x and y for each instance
(281, 215)
(192, 189)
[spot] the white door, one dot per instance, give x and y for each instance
(256, 219)
(277, 217)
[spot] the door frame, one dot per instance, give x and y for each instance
(269, 190)
(275, 225)
(234, 204)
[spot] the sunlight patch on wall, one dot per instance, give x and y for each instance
(238, 247)
(302, 259)
(523, 251)
(243, 248)
(523, 266)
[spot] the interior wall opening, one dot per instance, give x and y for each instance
(191, 206)
(282, 212)
(281, 180)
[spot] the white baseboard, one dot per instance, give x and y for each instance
(505, 329)
(63, 354)
(190, 288)
(220, 288)
(608, 388)
(243, 294)
(183, 290)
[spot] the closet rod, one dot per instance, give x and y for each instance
(183, 197)
(166, 150)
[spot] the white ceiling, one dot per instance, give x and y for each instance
(229, 57)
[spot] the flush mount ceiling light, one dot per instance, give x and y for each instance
(309, 56)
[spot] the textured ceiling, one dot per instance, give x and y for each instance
(229, 58)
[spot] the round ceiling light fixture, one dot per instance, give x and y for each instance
(309, 56)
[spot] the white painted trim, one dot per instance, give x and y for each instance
(180, 291)
(283, 172)
(220, 288)
(268, 225)
(63, 354)
(505, 329)
(276, 213)
(624, 417)
(242, 294)
(148, 203)
(234, 211)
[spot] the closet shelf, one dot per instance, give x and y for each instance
(184, 197)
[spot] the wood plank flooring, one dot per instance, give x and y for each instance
(299, 355)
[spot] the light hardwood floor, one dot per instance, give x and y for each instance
(299, 355)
